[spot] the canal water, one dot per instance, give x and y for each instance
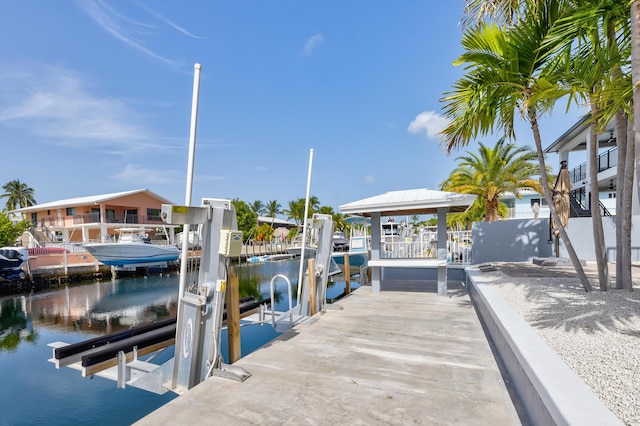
(34, 392)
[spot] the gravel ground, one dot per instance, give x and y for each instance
(596, 334)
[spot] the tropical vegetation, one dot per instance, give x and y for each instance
(251, 228)
(9, 231)
(522, 57)
(18, 195)
(492, 172)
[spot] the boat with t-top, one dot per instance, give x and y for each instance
(358, 247)
(133, 248)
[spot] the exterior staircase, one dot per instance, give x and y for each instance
(578, 210)
(576, 207)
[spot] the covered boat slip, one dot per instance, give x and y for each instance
(409, 202)
(396, 357)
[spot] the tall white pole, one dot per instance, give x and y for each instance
(189, 190)
(192, 133)
(304, 226)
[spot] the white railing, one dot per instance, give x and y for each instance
(425, 246)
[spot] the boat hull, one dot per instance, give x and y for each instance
(355, 259)
(123, 254)
(308, 251)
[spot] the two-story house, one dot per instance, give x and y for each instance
(97, 217)
(572, 146)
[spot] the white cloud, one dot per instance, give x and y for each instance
(170, 23)
(369, 179)
(429, 123)
(313, 43)
(56, 104)
(133, 33)
(142, 176)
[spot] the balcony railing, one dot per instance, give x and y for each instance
(123, 219)
(606, 160)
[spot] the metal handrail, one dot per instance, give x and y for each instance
(272, 294)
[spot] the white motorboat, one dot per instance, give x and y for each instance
(132, 248)
(296, 247)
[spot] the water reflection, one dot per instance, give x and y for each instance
(104, 307)
(75, 313)
(98, 308)
(15, 325)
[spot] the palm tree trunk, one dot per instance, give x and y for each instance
(624, 182)
(627, 217)
(491, 206)
(620, 173)
(533, 120)
(596, 215)
(635, 78)
(621, 194)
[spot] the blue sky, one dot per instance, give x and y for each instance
(95, 97)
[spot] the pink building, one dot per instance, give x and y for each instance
(97, 217)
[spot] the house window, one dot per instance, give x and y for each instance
(153, 215)
(131, 216)
(71, 211)
(95, 215)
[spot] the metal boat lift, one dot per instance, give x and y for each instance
(195, 334)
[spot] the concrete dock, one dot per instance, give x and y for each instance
(396, 357)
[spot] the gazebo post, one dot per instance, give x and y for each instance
(375, 252)
(442, 250)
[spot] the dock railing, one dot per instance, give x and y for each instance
(425, 246)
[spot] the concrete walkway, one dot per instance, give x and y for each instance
(397, 357)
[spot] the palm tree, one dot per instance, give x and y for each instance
(475, 213)
(493, 171)
(503, 74)
(326, 210)
(257, 207)
(273, 208)
(339, 222)
(314, 205)
(619, 22)
(295, 210)
(18, 195)
(600, 37)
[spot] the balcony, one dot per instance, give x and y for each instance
(606, 160)
(123, 219)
